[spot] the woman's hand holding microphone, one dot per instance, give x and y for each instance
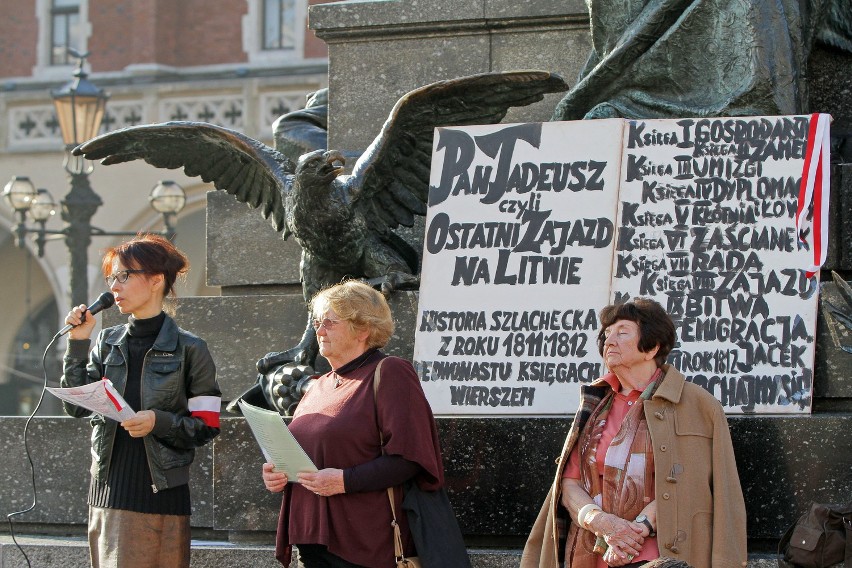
(82, 321)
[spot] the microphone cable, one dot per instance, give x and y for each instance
(104, 301)
(10, 516)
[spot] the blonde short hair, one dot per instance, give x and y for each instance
(359, 304)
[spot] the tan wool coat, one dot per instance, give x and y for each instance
(701, 516)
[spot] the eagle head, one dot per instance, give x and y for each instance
(319, 167)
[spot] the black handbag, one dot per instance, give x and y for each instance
(434, 528)
(822, 537)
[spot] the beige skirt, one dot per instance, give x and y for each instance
(124, 539)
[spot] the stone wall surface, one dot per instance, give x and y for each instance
(61, 455)
(380, 50)
(243, 249)
(239, 330)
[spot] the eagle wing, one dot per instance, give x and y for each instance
(390, 181)
(247, 169)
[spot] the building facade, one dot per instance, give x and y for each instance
(235, 63)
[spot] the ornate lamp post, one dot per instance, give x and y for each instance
(168, 198)
(80, 108)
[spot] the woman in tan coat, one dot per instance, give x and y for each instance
(647, 469)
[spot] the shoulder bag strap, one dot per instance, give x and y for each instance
(397, 536)
(377, 378)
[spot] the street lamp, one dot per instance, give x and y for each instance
(168, 198)
(80, 108)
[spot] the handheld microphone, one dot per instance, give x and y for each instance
(104, 301)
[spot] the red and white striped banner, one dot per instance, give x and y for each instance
(815, 191)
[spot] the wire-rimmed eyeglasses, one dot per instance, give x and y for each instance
(121, 276)
(327, 323)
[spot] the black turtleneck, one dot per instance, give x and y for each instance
(129, 484)
(142, 333)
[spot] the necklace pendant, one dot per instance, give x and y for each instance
(337, 382)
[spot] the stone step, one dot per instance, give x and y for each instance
(72, 552)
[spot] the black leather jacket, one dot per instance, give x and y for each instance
(178, 367)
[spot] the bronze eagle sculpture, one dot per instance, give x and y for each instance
(344, 223)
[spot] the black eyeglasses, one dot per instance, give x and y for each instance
(327, 323)
(121, 276)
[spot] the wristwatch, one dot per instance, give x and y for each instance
(644, 520)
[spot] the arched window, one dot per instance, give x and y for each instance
(23, 379)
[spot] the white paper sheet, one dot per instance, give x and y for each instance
(99, 396)
(276, 441)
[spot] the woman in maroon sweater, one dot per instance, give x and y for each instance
(340, 516)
